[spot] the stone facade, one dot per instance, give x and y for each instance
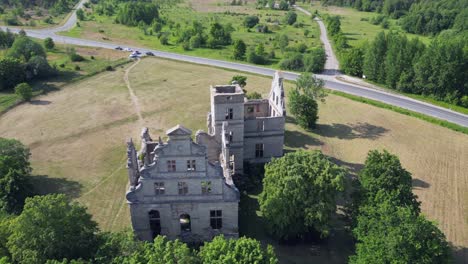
(184, 189)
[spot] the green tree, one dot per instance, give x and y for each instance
(383, 172)
(242, 251)
(352, 61)
(299, 192)
(80, 14)
(49, 43)
(304, 108)
(394, 234)
(25, 48)
(115, 246)
(315, 60)
(24, 91)
(283, 42)
(240, 79)
(311, 86)
(50, 227)
(239, 49)
(14, 172)
(251, 21)
(374, 58)
(254, 95)
(291, 17)
(161, 251)
(11, 73)
(38, 67)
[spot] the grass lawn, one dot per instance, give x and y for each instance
(105, 29)
(77, 139)
(67, 70)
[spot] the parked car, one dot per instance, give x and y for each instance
(149, 53)
(118, 48)
(133, 56)
(128, 49)
(137, 52)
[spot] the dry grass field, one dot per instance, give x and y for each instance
(77, 139)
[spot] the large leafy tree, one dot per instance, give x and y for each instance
(299, 192)
(239, 49)
(25, 48)
(388, 233)
(383, 172)
(161, 251)
(14, 170)
(50, 227)
(242, 251)
(12, 72)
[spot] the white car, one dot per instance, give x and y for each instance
(128, 49)
(133, 56)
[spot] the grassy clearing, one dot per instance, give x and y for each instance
(77, 138)
(353, 25)
(104, 28)
(68, 72)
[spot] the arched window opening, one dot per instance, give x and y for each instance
(185, 224)
(155, 223)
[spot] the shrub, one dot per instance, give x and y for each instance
(77, 68)
(49, 43)
(109, 68)
(304, 108)
(251, 21)
(293, 62)
(24, 91)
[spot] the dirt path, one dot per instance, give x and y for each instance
(134, 98)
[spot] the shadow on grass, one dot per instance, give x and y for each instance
(43, 184)
(298, 139)
(353, 168)
(417, 183)
(460, 254)
(40, 102)
(353, 131)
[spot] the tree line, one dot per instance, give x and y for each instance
(428, 17)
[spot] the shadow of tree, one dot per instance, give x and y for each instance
(353, 168)
(40, 102)
(417, 183)
(43, 184)
(359, 130)
(460, 254)
(297, 139)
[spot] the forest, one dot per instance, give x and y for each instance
(438, 70)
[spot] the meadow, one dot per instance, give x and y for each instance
(104, 28)
(77, 138)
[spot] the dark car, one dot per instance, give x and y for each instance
(137, 52)
(149, 53)
(118, 48)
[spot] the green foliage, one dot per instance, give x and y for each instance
(11, 73)
(254, 95)
(239, 79)
(352, 61)
(253, 57)
(315, 60)
(6, 39)
(52, 228)
(116, 246)
(394, 234)
(282, 42)
(49, 43)
(239, 49)
(311, 86)
(292, 61)
(38, 67)
(304, 108)
(251, 21)
(291, 17)
(24, 91)
(80, 14)
(24, 48)
(219, 35)
(161, 251)
(131, 13)
(299, 192)
(14, 170)
(243, 251)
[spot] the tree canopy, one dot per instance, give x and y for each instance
(299, 192)
(50, 227)
(24, 48)
(243, 251)
(14, 170)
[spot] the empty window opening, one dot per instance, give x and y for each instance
(216, 219)
(257, 108)
(159, 188)
(229, 113)
(171, 165)
(206, 187)
(185, 224)
(260, 125)
(155, 223)
(191, 165)
(183, 188)
(258, 150)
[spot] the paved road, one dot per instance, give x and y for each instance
(329, 78)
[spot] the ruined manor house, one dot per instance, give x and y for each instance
(183, 188)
